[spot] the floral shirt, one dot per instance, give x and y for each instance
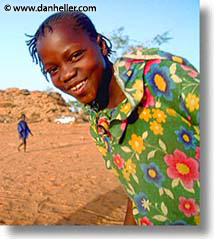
(151, 139)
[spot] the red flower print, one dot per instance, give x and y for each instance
(103, 127)
(188, 206)
(145, 222)
(182, 167)
(149, 63)
(103, 122)
(197, 154)
(148, 99)
(118, 161)
(129, 62)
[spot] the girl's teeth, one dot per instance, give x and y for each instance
(78, 86)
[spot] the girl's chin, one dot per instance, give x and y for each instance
(86, 99)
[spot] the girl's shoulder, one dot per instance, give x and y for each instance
(139, 55)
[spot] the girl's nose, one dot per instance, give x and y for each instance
(67, 73)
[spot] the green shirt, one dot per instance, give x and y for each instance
(151, 139)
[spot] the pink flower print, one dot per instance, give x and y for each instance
(189, 118)
(179, 166)
(197, 154)
(148, 99)
(118, 161)
(149, 63)
(139, 48)
(193, 74)
(123, 125)
(128, 63)
(186, 68)
(188, 206)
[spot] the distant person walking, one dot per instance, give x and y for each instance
(23, 131)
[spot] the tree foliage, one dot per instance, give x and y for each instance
(122, 43)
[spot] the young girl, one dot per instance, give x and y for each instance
(144, 115)
(23, 131)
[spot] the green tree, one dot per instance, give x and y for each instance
(122, 43)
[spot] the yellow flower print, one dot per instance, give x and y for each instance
(177, 59)
(126, 174)
(159, 115)
(102, 150)
(197, 220)
(129, 73)
(138, 94)
(114, 171)
(144, 113)
(131, 167)
(138, 85)
(156, 128)
(171, 111)
(192, 102)
(160, 82)
(136, 143)
(125, 108)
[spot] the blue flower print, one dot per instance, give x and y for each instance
(140, 201)
(186, 137)
(160, 81)
(129, 75)
(152, 174)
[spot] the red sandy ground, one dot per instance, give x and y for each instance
(61, 179)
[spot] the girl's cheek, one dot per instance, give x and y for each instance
(56, 81)
(56, 84)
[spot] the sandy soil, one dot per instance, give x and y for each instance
(61, 179)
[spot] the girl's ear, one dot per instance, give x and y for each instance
(101, 42)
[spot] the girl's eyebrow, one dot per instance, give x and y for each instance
(69, 50)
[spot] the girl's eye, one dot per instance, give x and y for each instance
(52, 70)
(76, 56)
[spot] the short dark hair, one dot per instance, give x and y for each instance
(22, 115)
(78, 20)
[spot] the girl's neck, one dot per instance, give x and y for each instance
(109, 93)
(116, 95)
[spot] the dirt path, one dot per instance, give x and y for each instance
(61, 179)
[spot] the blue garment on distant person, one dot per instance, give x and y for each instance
(23, 129)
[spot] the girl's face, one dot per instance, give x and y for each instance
(74, 62)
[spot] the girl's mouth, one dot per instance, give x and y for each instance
(78, 88)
